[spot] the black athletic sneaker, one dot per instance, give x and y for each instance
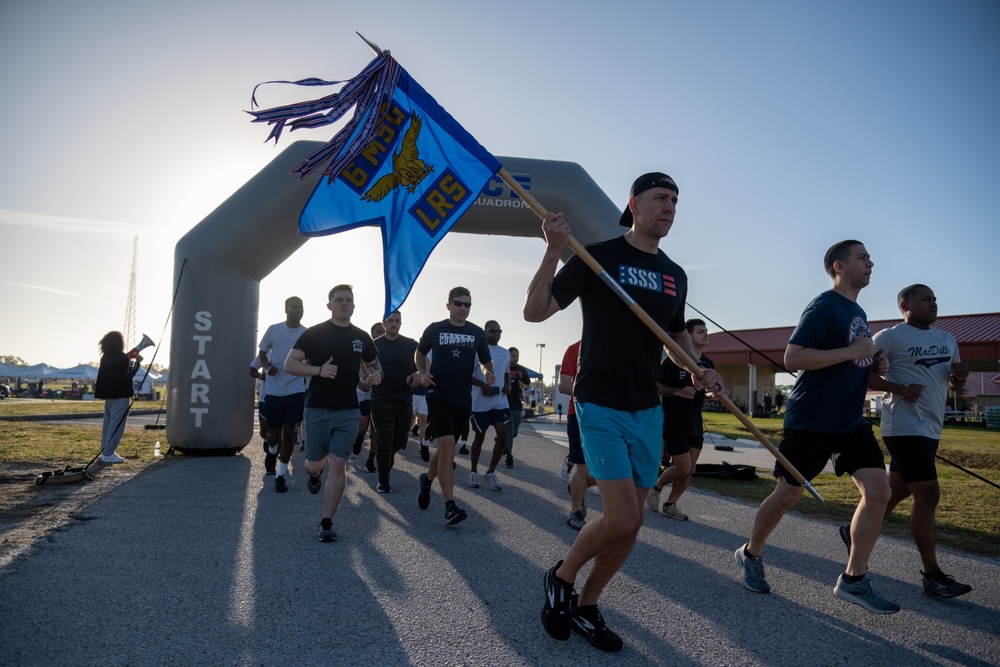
(415, 430)
(845, 535)
(314, 484)
(358, 444)
(454, 514)
(556, 611)
(370, 465)
(425, 454)
(424, 495)
(940, 585)
(510, 461)
(279, 484)
(463, 450)
(588, 622)
(270, 461)
(383, 486)
(326, 532)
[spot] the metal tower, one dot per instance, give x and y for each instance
(129, 331)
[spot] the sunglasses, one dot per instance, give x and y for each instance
(461, 304)
(494, 331)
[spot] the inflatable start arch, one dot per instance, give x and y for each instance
(214, 324)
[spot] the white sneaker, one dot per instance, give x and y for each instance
(491, 477)
(653, 500)
(112, 458)
(474, 480)
(566, 470)
(672, 511)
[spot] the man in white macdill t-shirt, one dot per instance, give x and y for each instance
(923, 365)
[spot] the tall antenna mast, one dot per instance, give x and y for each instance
(129, 332)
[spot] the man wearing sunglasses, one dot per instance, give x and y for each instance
(490, 408)
(457, 344)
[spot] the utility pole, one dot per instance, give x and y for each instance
(541, 348)
(129, 329)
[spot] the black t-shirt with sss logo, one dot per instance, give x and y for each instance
(619, 355)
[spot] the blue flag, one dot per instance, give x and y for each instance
(401, 163)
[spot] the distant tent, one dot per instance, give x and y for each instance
(81, 372)
(533, 374)
(6, 370)
(38, 372)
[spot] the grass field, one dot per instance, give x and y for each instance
(968, 515)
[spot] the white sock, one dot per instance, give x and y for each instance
(272, 448)
(282, 468)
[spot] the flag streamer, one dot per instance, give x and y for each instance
(401, 162)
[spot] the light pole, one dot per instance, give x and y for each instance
(541, 348)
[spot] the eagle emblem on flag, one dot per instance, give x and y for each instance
(407, 167)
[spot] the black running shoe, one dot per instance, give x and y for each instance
(383, 486)
(370, 465)
(314, 484)
(424, 496)
(326, 532)
(454, 514)
(556, 610)
(588, 622)
(510, 461)
(845, 535)
(463, 450)
(425, 454)
(358, 444)
(270, 461)
(940, 585)
(415, 430)
(279, 484)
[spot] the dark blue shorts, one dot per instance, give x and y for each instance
(809, 451)
(281, 410)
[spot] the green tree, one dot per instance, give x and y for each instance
(13, 360)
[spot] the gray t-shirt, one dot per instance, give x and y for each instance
(916, 356)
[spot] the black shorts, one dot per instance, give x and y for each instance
(682, 444)
(575, 444)
(912, 457)
(281, 410)
(446, 419)
(809, 451)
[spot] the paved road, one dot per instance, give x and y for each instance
(198, 561)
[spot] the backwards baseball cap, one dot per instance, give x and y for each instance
(653, 179)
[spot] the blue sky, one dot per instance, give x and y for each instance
(788, 126)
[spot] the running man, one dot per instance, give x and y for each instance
(490, 408)
(683, 427)
(332, 353)
(833, 349)
(923, 365)
(617, 404)
(456, 344)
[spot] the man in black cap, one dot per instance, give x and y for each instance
(617, 403)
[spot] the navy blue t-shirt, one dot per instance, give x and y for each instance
(831, 399)
(619, 355)
(455, 351)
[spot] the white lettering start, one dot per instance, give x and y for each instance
(199, 390)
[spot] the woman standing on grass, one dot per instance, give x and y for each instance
(114, 385)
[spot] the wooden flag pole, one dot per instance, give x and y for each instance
(670, 343)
